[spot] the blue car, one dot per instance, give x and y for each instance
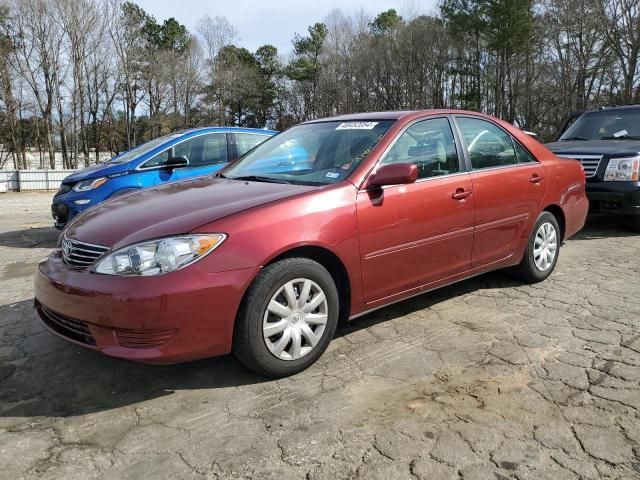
(177, 156)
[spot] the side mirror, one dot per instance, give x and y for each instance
(176, 162)
(393, 174)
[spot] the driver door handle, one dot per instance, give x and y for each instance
(461, 194)
(535, 178)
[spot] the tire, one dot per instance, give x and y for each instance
(635, 224)
(536, 267)
(265, 334)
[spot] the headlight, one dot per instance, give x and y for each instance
(163, 255)
(623, 169)
(87, 185)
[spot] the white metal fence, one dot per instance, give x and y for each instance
(26, 180)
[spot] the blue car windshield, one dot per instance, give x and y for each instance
(144, 148)
(311, 154)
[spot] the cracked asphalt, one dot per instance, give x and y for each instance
(487, 379)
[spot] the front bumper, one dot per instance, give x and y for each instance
(181, 316)
(60, 213)
(615, 198)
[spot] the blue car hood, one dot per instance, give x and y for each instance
(98, 170)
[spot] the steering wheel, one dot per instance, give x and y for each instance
(474, 142)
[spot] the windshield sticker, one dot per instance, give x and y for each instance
(332, 175)
(356, 126)
(621, 133)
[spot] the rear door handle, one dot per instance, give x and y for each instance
(535, 178)
(461, 194)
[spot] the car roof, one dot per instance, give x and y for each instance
(394, 115)
(259, 131)
(615, 108)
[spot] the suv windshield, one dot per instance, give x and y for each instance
(144, 148)
(605, 125)
(311, 154)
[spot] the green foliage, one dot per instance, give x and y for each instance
(503, 24)
(385, 23)
(243, 85)
(306, 66)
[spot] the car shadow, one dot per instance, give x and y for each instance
(37, 237)
(599, 226)
(47, 376)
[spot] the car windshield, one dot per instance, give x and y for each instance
(605, 125)
(144, 148)
(311, 154)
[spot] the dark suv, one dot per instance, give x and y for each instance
(607, 142)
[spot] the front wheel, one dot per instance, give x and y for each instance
(542, 251)
(287, 319)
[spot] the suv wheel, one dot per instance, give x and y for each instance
(635, 223)
(542, 251)
(287, 319)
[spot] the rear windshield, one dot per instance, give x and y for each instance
(605, 125)
(311, 154)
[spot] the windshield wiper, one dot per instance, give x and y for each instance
(257, 178)
(573, 138)
(622, 137)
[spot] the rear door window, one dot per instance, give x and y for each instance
(488, 146)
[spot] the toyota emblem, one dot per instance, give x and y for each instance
(66, 248)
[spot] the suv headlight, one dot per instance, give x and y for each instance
(86, 185)
(623, 169)
(155, 257)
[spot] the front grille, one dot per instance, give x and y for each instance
(67, 327)
(64, 188)
(60, 213)
(79, 254)
(590, 163)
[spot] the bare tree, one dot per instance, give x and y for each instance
(621, 25)
(216, 33)
(38, 58)
(81, 23)
(126, 28)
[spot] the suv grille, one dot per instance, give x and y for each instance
(589, 162)
(79, 254)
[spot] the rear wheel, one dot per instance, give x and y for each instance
(542, 251)
(287, 318)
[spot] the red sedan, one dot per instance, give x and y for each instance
(326, 221)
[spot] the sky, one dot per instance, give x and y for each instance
(276, 21)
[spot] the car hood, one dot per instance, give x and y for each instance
(97, 170)
(596, 147)
(172, 209)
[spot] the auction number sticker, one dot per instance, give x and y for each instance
(356, 126)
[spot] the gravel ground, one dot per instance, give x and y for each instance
(487, 379)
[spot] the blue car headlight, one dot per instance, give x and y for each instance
(91, 184)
